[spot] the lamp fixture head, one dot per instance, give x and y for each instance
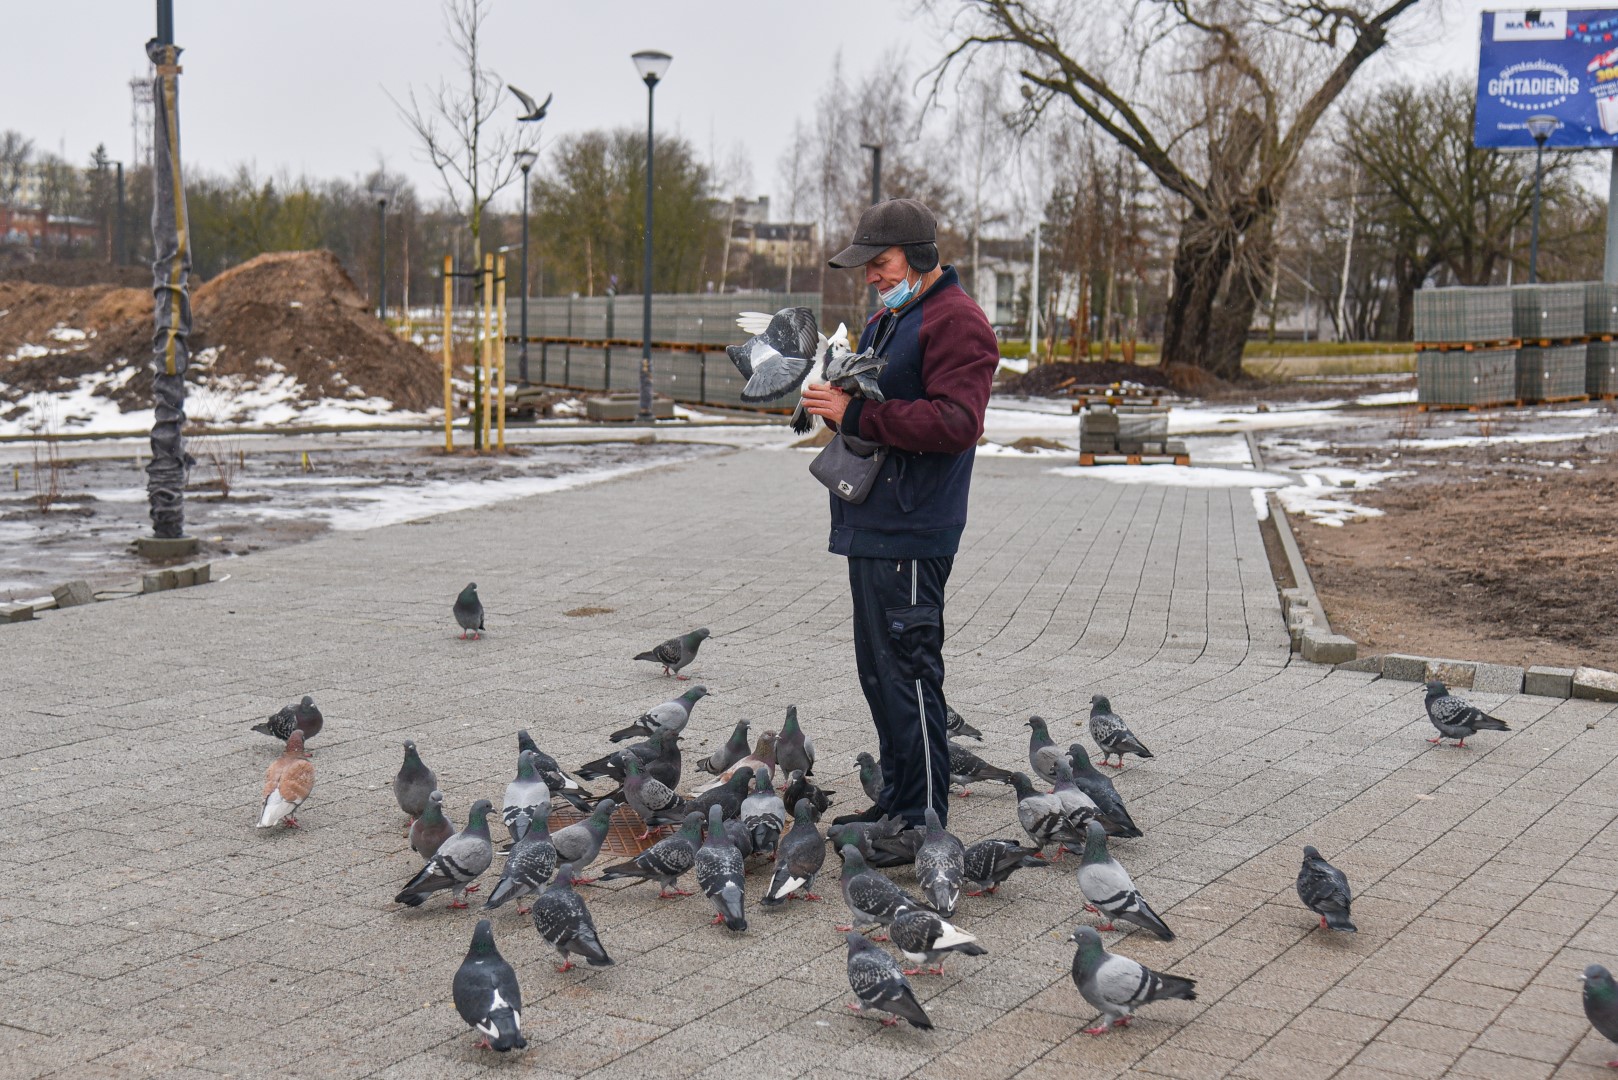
(526, 159)
(652, 65)
(1542, 127)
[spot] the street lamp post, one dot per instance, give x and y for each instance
(381, 197)
(652, 66)
(525, 161)
(1541, 128)
(876, 192)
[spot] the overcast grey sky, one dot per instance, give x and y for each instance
(302, 85)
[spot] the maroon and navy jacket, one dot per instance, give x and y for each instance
(942, 356)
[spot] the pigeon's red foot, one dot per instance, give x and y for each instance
(810, 897)
(1123, 1021)
(842, 929)
(1092, 909)
(565, 967)
(1107, 926)
(1612, 1064)
(890, 1021)
(683, 678)
(879, 937)
(290, 822)
(584, 881)
(853, 1008)
(964, 793)
(482, 1044)
(673, 894)
(1100, 1029)
(458, 904)
(1323, 922)
(470, 888)
(1461, 745)
(939, 970)
(1117, 766)
(980, 893)
(1440, 739)
(717, 920)
(524, 910)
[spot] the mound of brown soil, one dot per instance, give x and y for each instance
(1065, 377)
(77, 273)
(296, 312)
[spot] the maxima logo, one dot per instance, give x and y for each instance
(1533, 85)
(1530, 25)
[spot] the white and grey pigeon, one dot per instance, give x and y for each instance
(735, 748)
(556, 778)
(525, 796)
(781, 353)
(668, 718)
(1455, 718)
(1324, 890)
(940, 866)
(562, 919)
(721, 873)
(880, 986)
(1042, 815)
(456, 864)
(676, 652)
(1110, 732)
(925, 938)
(764, 814)
(798, 858)
(1110, 891)
(1118, 985)
(487, 995)
(529, 865)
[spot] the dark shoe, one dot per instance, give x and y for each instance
(873, 813)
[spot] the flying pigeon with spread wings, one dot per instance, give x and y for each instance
(783, 351)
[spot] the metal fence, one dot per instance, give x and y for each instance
(594, 343)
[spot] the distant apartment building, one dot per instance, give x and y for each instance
(754, 242)
(27, 227)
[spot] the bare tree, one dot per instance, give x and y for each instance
(452, 123)
(1216, 98)
(16, 153)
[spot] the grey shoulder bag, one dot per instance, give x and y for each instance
(848, 466)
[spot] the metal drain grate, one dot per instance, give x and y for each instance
(622, 830)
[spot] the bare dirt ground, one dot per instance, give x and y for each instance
(1499, 541)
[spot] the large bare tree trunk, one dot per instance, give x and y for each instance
(1201, 258)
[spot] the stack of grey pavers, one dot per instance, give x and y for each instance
(1542, 314)
(1601, 357)
(1126, 429)
(1462, 316)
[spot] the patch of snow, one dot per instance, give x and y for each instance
(61, 332)
(1218, 449)
(1018, 366)
(1392, 397)
(28, 351)
(1176, 476)
(1324, 509)
(1518, 437)
(1261, 504)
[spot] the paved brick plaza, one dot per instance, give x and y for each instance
(149, 929)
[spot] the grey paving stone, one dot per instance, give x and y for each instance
(1404, 668)
(1497, 679)
(1548, 682)
(1594, 684)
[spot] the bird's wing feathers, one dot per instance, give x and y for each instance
(754, 322)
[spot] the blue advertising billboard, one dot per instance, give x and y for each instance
(1554, 62)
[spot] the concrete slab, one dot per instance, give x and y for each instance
(1594, 684)
(73, 594)
(1497, 679)
(1548, 682)
(1455, 674)
(1404, 668)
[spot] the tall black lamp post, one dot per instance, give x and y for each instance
(381, 197)
(525, 161)
(652, 66)
(1541, 128)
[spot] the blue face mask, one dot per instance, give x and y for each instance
(900, 295)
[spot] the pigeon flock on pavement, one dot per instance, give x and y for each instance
(760, 801)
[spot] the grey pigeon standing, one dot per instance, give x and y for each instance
(727, 796)
(469, 612)
(556, 778)
(456, 864)
(880, 985)
(1077, 807)
(654, 802)
(561, 917)
(1043, 754)
(871, 898)
(670, 717)
(676, 652)
(529, 865)
(486, 993)
(883, 843)
(1118, 985)
(966, 767)
(957, 728)
(432, 828)
(1324, 890)
(735, 748)
(1454, 718)
(721, 874)
(798, 858)
(1110, 890)
(580, 843)
(525, 795)
(303, 716)
(1601, 1003)
(940, 866)
(740, 837)
(664, 861)
(762, 757)
(794, 751)
(925, 938)
(1042, 815)
(764, 814)
(659, 757)
(870, 776)
(414, 783)
(990, 862)
(801, 787)
(1109, 805)
(1112, 734)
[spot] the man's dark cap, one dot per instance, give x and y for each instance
(889, 222)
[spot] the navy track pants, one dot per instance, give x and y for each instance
(898, 645)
